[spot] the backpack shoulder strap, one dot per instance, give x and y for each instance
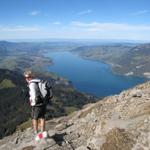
(37, 85)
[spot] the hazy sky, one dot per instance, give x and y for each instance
(75, 19)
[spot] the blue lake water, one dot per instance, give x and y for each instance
(88, 76)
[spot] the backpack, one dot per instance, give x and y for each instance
(45, 92)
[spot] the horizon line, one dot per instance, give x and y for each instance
(70, 39)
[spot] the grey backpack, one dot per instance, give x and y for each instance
(45, 88)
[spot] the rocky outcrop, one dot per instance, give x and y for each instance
(119, 122)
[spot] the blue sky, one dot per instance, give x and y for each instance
(75, 19)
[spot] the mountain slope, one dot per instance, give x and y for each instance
(119, 122)
(137, 61)
(127, 60)
(108, 53)
(12, 101)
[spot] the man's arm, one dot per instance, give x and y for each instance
(32, 92)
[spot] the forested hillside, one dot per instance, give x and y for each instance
(13, 105)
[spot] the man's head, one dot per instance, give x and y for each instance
(28, 75)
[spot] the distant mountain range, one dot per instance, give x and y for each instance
(30, 55)
(125, 58)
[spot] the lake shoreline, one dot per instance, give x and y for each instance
(73, 67)
(112, 67)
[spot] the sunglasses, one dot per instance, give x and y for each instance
(27, 77)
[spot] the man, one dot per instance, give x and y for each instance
(38, 108)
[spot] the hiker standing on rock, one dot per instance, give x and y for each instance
(38, 107)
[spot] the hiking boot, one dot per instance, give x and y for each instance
(45, 134)
(41, 135)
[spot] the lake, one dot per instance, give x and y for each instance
(90, 76)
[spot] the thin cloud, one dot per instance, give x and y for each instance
(57, 23)
(85, 12)
(142, 12)
(79, 29)
(34, 13)
(18, 28)
(96, 26)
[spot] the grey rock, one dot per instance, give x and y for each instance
(61, 126)
(82, 148)
(51, 133)
(136, 93)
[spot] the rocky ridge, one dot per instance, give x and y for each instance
(119, 122)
